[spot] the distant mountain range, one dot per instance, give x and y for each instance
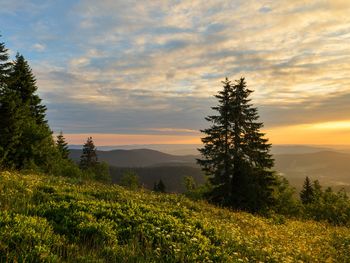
(139, 158)
(191, 149)
(330, 167)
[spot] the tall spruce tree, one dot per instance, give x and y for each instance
(26, 138)
(307, 193)
(88, 159)
(62, 146)
(22, 80)
(236, 155)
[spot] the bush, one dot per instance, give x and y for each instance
(329, 206)
(27, 239)
(66, 168)
(98, 172)
(130, 180)
(285, 201)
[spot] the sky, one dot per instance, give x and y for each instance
(138, 72)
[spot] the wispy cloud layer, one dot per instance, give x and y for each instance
(152, 66)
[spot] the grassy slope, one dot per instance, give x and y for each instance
(56, 219)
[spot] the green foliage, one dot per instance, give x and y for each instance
(190, 183)
(67, 168)
(90, 166)
(130, 180)
(235, 155)
(27, 239)
(88, 158)
(159, 187)
(62, 146)
(25, 137)
(307, 193)
(194, 191)
(285, 201)
(99, 172)
(5, 66)
(58, 219)
(328, 206)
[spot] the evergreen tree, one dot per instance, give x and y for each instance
(5, 66)
(161, 186)
(235, 154)
(307, 193)
(62, 146)
(23, 82)
(89, 157)
(26, 139)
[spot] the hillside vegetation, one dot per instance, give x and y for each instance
(54, 219)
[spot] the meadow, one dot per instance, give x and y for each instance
(56, 219)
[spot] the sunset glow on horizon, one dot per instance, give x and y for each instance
(327, 133)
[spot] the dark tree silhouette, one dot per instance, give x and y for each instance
(62, 146)
(159, 187)
(88, 158)
(307, 193)
(23, 82)
(235, 154)
(26, 139)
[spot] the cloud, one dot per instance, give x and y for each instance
(39, 47)
(141, 65)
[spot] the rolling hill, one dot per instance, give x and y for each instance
(56, 219)
(138, 158)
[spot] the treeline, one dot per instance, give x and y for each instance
(26, 140)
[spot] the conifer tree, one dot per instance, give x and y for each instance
(23, 82)
(5, 65)
(34, 147)
(25, 138)
(62, 146)
(88, 158)
(236, 155)
(161, 186)
(307, 193)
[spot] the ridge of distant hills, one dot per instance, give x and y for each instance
(330, 167)
(151, 166)
(138, 158)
